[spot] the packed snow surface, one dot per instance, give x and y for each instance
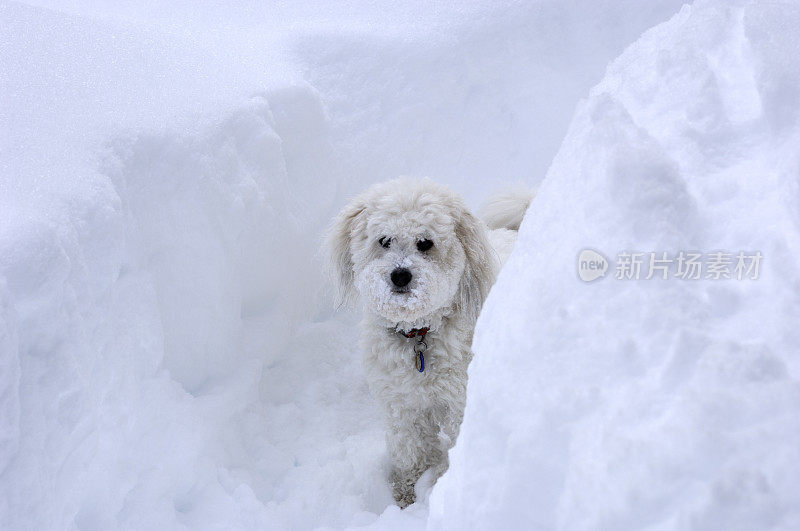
(169, 356)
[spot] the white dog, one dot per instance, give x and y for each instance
(422, 264)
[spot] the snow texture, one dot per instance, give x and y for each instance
(169, 356)
(660, 404)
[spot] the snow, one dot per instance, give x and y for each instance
(170, 357)
(660, 404)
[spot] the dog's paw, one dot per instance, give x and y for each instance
(403, 490)
(405, 498)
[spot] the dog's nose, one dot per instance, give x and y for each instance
(401, 277)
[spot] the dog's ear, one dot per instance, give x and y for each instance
(482, 263)
(338, 253)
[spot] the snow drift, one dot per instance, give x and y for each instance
(658, 404)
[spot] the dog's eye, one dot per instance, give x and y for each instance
(424, 245)
(385, 242)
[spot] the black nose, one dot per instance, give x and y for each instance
(401, 277)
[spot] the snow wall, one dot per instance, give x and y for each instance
(651, 404)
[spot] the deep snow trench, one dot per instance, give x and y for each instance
(170, 357)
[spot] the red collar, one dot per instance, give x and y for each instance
(415, 332)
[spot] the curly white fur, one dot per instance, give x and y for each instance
(449, 283)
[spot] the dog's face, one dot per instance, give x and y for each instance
(408, 261)
(410, 248)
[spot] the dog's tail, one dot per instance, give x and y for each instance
(505, 209)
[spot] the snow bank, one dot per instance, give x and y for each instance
(659, 404)
(155, 233)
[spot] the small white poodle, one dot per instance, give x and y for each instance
(422, 264)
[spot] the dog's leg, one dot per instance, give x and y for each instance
(406, 450)
(414, 447)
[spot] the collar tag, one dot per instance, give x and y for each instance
(419, 349)
(420, 361)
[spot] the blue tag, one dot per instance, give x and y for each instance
(420, 362)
